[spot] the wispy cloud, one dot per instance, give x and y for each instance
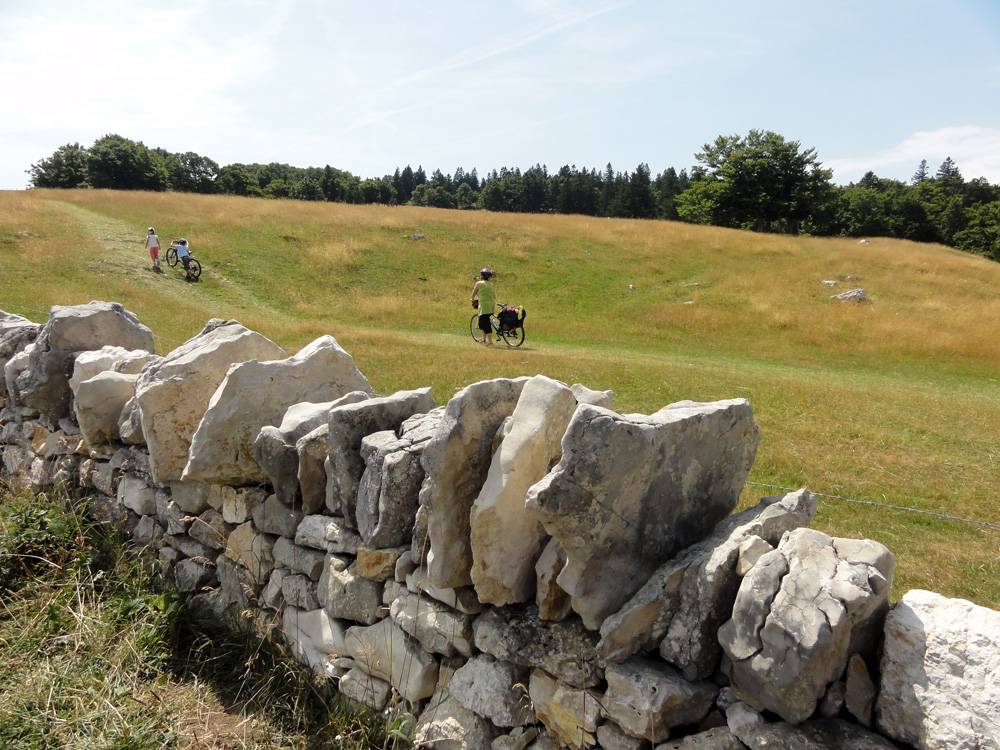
(974, 148)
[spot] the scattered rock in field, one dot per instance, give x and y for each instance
(863, 242)
(852, 295)
(829, 282)
(418, 237)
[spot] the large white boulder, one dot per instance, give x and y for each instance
(506, 535)
(98, 405)
(456, 461)
(90, 363)
(173, 394)
(941, 673)
(44, 385)
(800, 613)
(258, 393)
(16, 332)
(632, 490)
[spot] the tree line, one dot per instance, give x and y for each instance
(759, 181)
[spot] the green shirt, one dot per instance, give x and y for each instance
(487, 297)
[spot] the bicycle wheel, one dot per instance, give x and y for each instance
(194, 269)
(172, 257)
(477, 334)
(514, 337)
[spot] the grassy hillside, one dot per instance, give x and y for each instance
(897, 401)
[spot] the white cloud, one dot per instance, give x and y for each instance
(975, 149)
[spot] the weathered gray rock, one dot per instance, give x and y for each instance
(188, 547)
(553, 603)
(820, 734)
(751, 550)
(315, 640)
(859, 690)
(327, 533)
(16, 332)
(349, 424)
(506, 535)
(569, 714)
(237, 584)
(98, 405)
(831, 704)
(385, 651)
(463, 599)
(361, 687)
(939, 669)
(689, 597)
(170, 515)
(610, 737)
(307, 561)
(585, 395)
(147, 533)
(518, 739)
(630, 491)
(438, 628)
(194, 498)
(717, 738)
(44, 384)
(254, 394)
(274, 517)
(447, 725)
(108, 358)
(404, 566)
(313, 453)
(647, 698)
(270, 595)
(137, 496)
(389, 490)
(564, 649)
(799, 614)
(174, 393)
(210, 529)
(12, 370)
(456, 461)
(254, 550)
(299, 591)
(130, 423)
(345, 595)
(495, 690)
(192, 574)
(274, 447)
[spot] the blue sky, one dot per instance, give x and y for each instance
(369, 86)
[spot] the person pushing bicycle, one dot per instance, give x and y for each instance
(484, 298)
(184, 254)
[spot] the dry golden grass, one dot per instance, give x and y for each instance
(897, 401)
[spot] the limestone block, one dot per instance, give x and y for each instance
(255, 394)
(349, 424)
(307, 561)
(44, 384)
(130, 423)
(647, 698)
(137, 496)
(98, 405)
(195, 498)
(800, 612)
(274, 517)
(819, 734)
(174, 393)
(274, 448)
(506, 535)
(518, 739)
(378, 564)
(345, 595)
(193, 574)
(585, 395)
(447, 725)
(386, 652)
(361, 687)
(87, 364)
(689, 597)
(270, 595)
(298, 591)
(239, 505)
(630, 491)
(13, 368)
(169, 514)
(313, 451)
(147, 533)
(939, 669)
(188, 547)
(569, 714)
(717, 738)
(456, 461)
(610, 737)
(438, 628)
(389, 490)
(751, 550)
(254, 550)
(327, 533)
(565, 649)
(16, 332)
(859, 690)
(553, 603)
(237, 583)
(495, 690)
(463, 599)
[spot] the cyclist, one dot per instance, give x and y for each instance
(484, 297)
(184, 255)
(153, 245)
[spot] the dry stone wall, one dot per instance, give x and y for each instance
(518, 567)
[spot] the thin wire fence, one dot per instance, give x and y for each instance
(876, 504)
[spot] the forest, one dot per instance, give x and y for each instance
(760, 181)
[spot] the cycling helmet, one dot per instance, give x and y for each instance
(486, 273)
(152, 231)
(182, 241)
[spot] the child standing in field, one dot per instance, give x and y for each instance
(153, 245)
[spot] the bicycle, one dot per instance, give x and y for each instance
(192, 268)
(506, 325)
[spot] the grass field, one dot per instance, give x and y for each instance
(897, 401)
